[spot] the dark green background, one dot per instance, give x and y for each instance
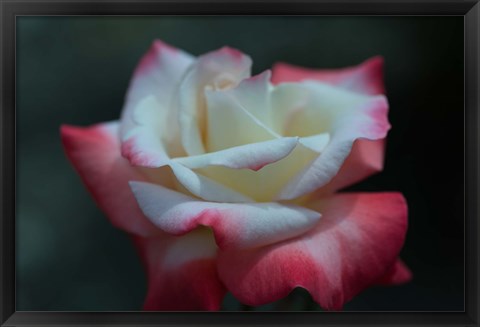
(75, 70)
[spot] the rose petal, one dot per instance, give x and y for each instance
(253, 94)
(365, 159)
(204, 187)
(181, 272)
(235, 225)
(398, 274)
(262, 185)
(352, 246)
(365, 78)
(243, 108)
(230, 124)
(345, 116)
(94, 152)
(311, 108)
(143, 145)
(252, 156)
(147, 102)
(316, 142)
(215, 70)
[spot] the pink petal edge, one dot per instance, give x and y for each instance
(235, 225)
(95, 155)
(353, 246)
(366, 77)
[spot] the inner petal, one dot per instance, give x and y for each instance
(224, 81)
(230, 124)
(218, 70)
(264, 184)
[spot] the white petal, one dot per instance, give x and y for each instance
(317, 142)
(142, 145)
(345, 116)
(252, 156)
(230, 124)
(235, 225)
(254, 95)
(204, 187)
(147, 102)
(218, 69)
(264, 184)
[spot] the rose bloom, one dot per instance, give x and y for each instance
(227, 182)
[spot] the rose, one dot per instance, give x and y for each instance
(227, 181)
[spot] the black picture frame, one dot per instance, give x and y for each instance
(10, 9)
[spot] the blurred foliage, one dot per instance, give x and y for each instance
(75, 70)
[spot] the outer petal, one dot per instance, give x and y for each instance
(365, 78)
(219, 69)
(181, 272)
(148, 100)
(346, 117)
(365, 159)
(352, 246)
(143, 145)
(235, 225)
(95, 153)
(398, 274)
